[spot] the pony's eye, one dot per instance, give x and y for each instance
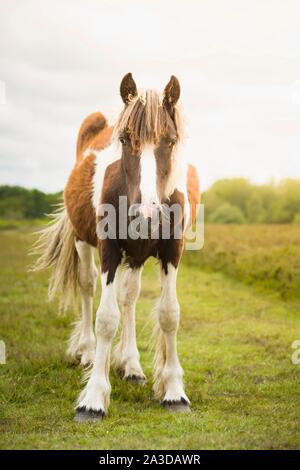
(123, 140)
(171, 143)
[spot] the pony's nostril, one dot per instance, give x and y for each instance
(155, 204)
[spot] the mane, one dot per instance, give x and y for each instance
(144, 118)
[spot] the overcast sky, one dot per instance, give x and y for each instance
(238, 63)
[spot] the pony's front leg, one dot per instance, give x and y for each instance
(94, 400)
(168, 374)
(126, 354)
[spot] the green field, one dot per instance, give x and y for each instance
(234, 343)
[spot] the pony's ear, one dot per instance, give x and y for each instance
(171, 93)
(128, 88)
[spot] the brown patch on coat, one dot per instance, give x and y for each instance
(170, 251)
(78, 200)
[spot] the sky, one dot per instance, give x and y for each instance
(238, 63)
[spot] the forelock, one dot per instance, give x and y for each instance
(145, 119)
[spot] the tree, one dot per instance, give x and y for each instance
(20, 203)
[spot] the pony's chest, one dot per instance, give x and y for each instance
(137, 251)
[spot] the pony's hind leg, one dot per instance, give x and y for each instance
(82, 342)
(126, 355)
(168, 374)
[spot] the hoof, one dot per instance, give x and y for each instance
(177, 406)
(82, 414)
(136, 379)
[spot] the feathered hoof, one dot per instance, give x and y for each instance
(136, 379)
(177, 406)
(83, 414)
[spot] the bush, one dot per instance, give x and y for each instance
(267, 203)
(227, 214)
(267, 256)
(296, 219)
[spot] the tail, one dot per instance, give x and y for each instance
(94, 132)
(56, 249)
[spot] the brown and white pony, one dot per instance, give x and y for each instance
(140, 158)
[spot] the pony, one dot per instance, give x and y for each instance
(140, 158)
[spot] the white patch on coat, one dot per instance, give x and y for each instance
(103, 159)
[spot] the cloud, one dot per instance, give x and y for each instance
(237, 64)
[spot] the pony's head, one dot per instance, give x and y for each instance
(149, 130)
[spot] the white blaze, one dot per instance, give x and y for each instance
(148, 187)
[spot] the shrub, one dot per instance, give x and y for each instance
(227, 214)
(267, 256)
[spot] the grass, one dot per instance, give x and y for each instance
(234, 344)
(21, 224)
